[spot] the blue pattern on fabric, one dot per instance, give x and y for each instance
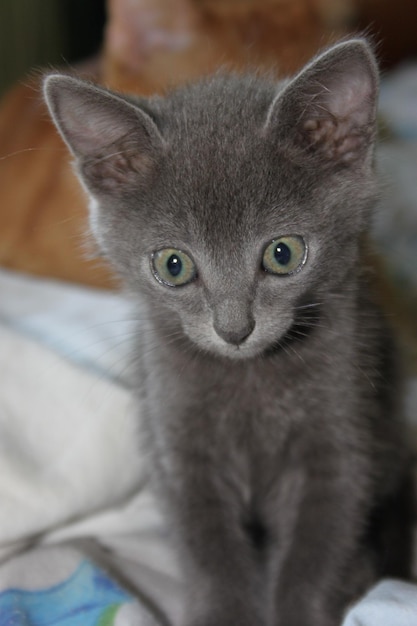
(83, 599)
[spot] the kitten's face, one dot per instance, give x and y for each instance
(233, 256)
(232, 209)
(233, 266)
(238, 304)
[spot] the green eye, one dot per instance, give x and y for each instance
(285, 255)
(173, 267)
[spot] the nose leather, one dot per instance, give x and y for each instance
(233, 321)
(236, 337)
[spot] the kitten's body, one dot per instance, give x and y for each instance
(292, 475)
(268, 395)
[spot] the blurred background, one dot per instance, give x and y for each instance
(145, 46)
(39, 33)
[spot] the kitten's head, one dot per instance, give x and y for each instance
(234, 203)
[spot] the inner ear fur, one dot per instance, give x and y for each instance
(113, 140)
(329, 109)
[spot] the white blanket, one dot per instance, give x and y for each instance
(81, 540)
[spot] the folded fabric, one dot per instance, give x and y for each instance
(70, 590)
(391, 603)
(86, 596)
(68, 441)
(90, 327)
(75, 499)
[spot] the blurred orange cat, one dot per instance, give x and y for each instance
(148, 46)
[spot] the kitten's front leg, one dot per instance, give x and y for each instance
(223, 581)
(315, 581)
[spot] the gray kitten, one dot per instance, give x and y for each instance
(235, 208)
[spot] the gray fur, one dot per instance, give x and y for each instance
(269, 401)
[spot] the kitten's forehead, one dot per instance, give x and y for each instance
(230, 175)
(218, 157)
(214, 127)
(220, 103)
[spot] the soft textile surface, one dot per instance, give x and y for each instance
(389, 603)
(73, 487)
(82, 542)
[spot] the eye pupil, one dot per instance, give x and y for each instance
(282, 253)
(174, 265)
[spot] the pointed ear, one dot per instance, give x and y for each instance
(329, 109)
(115, 143)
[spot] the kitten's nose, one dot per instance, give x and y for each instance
(236, 336)
(232, 320)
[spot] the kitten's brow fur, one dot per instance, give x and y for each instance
(269, 401)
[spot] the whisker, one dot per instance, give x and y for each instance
(308, 306)
(24, 150)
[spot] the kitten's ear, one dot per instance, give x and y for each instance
(114, 142)
(329, 109)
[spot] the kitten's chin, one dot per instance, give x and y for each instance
(246, 350)
(236, 353)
